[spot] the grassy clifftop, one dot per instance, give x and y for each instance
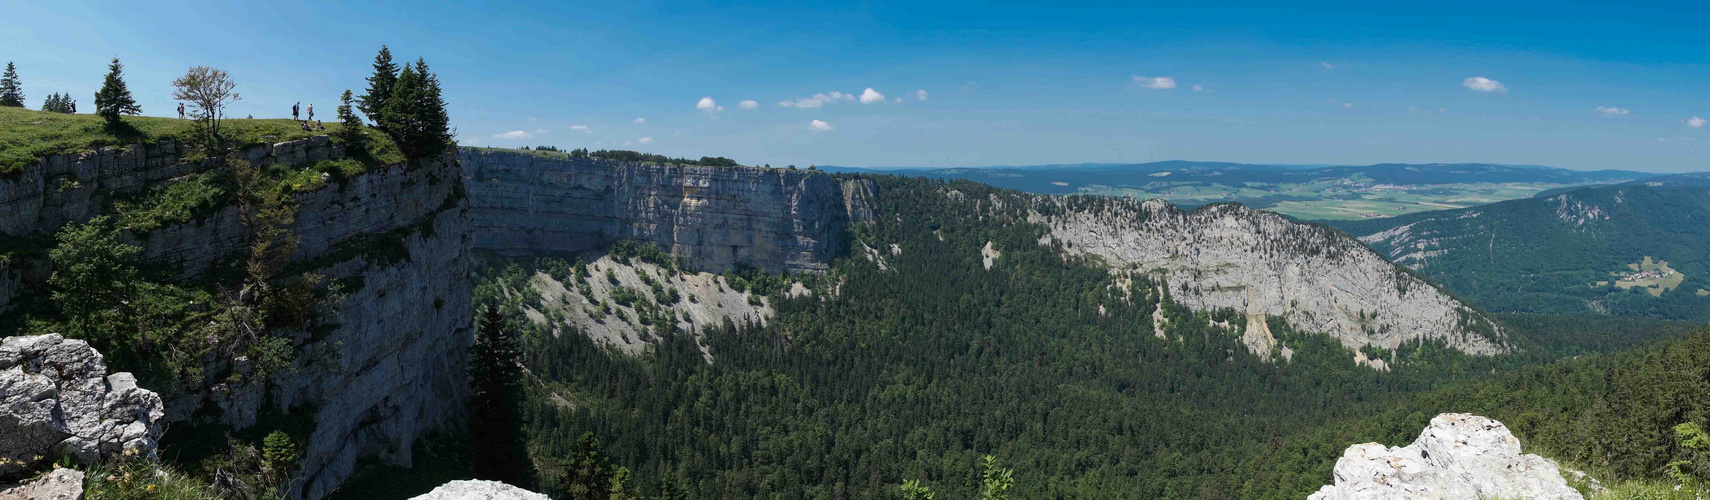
(27, 135)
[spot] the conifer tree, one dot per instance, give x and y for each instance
(495, 419)
(430, 105)
(373, 102)
(11, 89)
(353, 133)
(114, 99)
(398, 117)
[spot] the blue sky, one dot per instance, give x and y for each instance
(1577, 85)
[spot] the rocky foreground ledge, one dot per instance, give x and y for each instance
(1458, 456)
(476, 489)
(57, 400)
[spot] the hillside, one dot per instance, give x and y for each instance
(957, 299)
(1305, 192)
(1627, 250)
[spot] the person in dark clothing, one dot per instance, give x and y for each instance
(311, 111)
(181, 111)
(74, 106)
(294, 108)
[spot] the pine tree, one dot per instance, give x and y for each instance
(114, 99)
(373, 103)
(354, 133)
(398, 117)
(435, 125)
(495, 419)
(11, 89)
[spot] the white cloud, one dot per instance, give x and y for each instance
(748, 104)
(514, 134)
(1612, 111)
(626, 143)
(582, 128)
(1483, 84)
(897, 100)
(870, 96)
(920, 95)
(645, 140)
(640, 120)
(1695, 122)
(707, 104)
(1155, 82)
(817, 100)
(1347, 105)
(1413, 108)
(541, 131)
(819, 126)
(1326, 65)
(1199, 88)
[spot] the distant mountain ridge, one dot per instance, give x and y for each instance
(1070, 178)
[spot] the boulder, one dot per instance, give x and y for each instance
(61, 484)
(1458, 456)
(56, 399)
(476, 489)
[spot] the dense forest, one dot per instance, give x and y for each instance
(918, 370)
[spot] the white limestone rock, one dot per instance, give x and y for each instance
(1264, 265)
(1458, 456)
(56, 399)
(476, 489)
(59, 484)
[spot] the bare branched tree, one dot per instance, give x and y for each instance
(209, 90)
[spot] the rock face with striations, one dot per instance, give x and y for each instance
(716, 217)
(386, 366)
(57, 400)
(1264, 265)
(1457, 456)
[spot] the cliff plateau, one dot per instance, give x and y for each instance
(388, 365)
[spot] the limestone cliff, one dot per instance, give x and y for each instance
(1264, 265)
(715, 217)
(387, 368)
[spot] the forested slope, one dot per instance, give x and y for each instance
(1579, 252)
(912, 359)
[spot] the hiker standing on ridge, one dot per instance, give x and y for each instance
(294, 108)
(181, 111)
(311, 111)
(74, 106)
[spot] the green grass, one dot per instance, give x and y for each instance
(142, 480)
(27, 135)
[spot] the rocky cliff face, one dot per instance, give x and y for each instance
(1264, 265)
(716, 217)
(1457, 456)
(388, 368)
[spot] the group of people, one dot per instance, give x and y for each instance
(296, 108)
(295, 115)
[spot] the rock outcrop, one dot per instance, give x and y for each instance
(1457, 456)
(385, 369)
(1259, 263)
(476, 489)
(715, 217)
(57, 400)
(59, 484)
